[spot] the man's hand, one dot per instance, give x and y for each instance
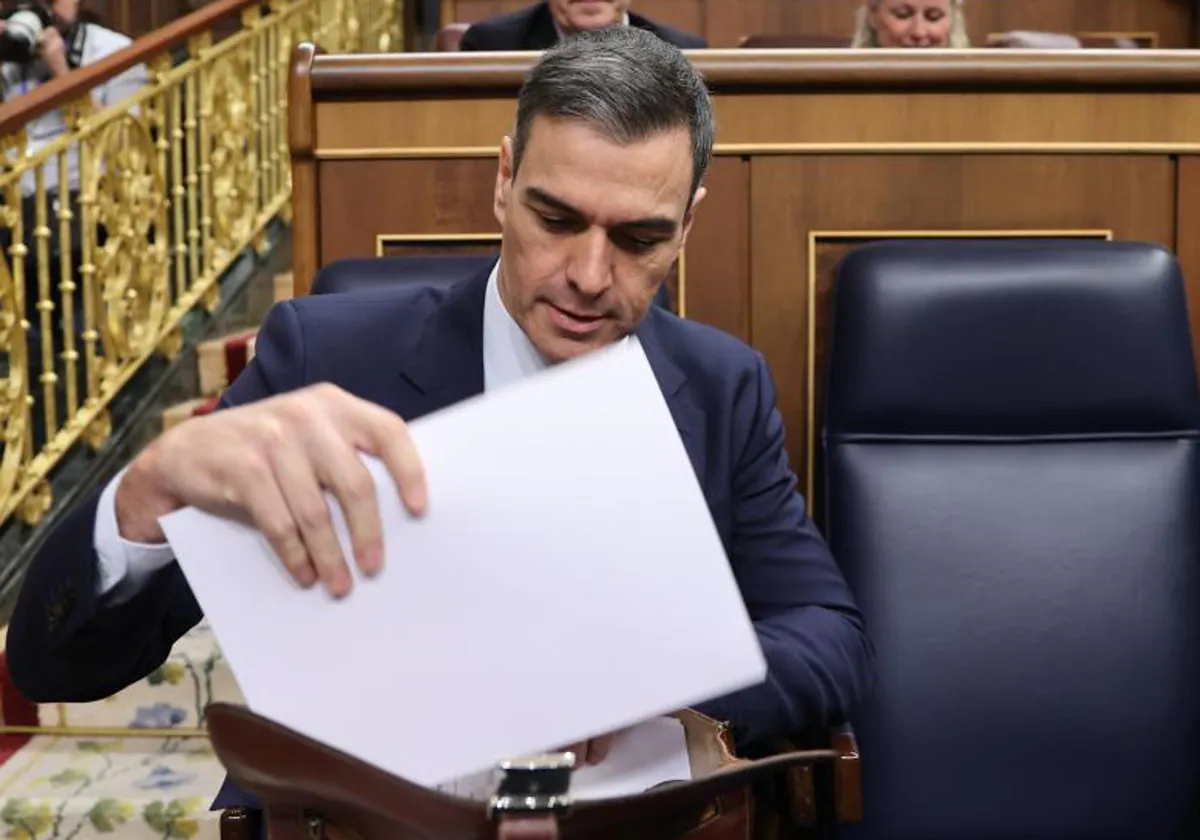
(268, 464)
(54, 52)
(592, 751)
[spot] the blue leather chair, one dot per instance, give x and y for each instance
(1013, 486)
(351, 274)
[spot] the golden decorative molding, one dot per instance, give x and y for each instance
(738, 149)
(816, 237)
(103, 731)
(382, 240)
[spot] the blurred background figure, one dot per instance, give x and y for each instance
(542, 25)
(911, 23)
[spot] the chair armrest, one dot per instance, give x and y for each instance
(803, 799)
(847, 776)
(241, 824)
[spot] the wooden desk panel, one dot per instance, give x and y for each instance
(817, 151)
(843, 201)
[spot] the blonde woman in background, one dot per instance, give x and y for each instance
(911, 23)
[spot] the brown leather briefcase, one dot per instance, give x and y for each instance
(313, 792)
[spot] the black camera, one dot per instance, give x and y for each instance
(24, 24)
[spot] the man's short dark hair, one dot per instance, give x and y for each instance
(625, 83)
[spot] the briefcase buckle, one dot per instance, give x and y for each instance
(535, 784)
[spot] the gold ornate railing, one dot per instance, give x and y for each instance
(116, 228)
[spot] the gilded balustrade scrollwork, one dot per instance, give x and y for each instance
(124, 222)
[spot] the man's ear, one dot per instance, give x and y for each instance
(504, 179)
(690, 215)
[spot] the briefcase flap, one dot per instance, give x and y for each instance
(300, 779)
(710, 744)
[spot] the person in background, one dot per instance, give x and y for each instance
(543, 25)
(911, 23)
(67, 44)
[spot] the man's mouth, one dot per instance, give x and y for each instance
(575, 323)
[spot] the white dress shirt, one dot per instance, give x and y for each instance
(562, 36)
(508, 356)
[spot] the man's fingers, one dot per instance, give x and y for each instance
(599, 748)
(592, 751)
(298, 481)
(341, 470)
(262, 502)
(580, 751)
(385, 435)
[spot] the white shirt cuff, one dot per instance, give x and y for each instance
(124, 566)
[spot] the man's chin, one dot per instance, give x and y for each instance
(556, 348)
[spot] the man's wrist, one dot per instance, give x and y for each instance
(139, 501)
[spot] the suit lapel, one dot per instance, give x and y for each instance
(688, 415)
(541, 35)
(446, 365)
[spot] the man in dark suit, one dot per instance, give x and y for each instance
(595, 194)
(543, 25)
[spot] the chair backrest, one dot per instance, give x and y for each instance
(1013, 479)
(354, 274)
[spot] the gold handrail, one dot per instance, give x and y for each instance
(120, 225)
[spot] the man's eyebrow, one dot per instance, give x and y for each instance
(543, 197)
(657, 224)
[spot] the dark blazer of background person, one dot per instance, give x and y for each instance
(533, 28)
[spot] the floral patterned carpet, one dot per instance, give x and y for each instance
(136, 766)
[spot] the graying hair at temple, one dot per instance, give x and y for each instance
(625, 83)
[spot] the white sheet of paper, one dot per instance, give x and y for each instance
(567, 581)
(653, 752)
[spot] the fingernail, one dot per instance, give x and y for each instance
(341, 583)
(307, 577)
(417, 501)
(371, 561)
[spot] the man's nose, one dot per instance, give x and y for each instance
(590, 270)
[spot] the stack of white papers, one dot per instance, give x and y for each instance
(566, 582)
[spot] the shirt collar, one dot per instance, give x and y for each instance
(508, 354)
(562, 35)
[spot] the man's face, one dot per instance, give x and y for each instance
(574, 15)
(590, 230)
(67, 10)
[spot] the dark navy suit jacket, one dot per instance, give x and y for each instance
(415, 350)
(532, 28)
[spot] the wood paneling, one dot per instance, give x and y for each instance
(816, 153)
(820, 117)
(717, 255)
(402, 197)
(725, 22)
(841, 201)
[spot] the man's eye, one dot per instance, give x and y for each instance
(637, 244)
(554, 223)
